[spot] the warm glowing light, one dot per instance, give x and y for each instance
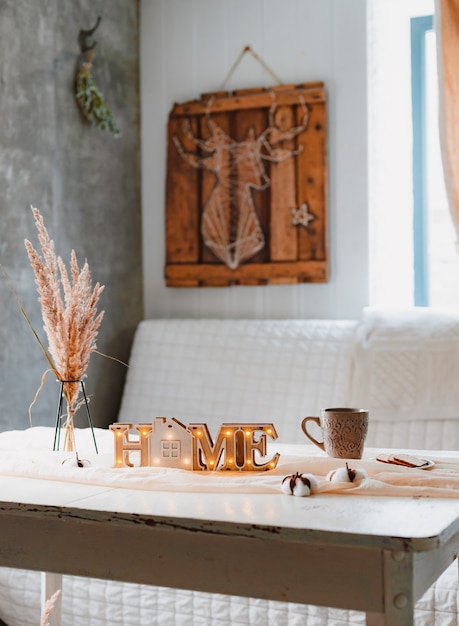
(234, 448)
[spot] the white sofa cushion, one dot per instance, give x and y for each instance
(407, 368)
(238, 370)
(407, 364)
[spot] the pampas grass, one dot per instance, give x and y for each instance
(49, 606)
(70, 318)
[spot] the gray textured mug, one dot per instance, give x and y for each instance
(343, 430)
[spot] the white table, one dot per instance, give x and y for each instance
(376, 554)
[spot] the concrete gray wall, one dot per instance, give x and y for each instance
(85, 182)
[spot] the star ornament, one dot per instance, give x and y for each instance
(301, 215)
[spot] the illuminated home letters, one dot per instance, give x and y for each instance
(124, 444)
(169, 443)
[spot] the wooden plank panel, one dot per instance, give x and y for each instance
(251, 282)
(248, 125)
(283, 245)
(182, 282)
(182, 240)
(304, 271)
(284, 280)
(312, 184)
(209, 180)
(214, 282)
(209, 186)
(253, 101)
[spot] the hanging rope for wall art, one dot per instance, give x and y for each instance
(88, 96)
(257, 58)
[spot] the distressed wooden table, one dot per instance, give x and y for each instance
(375, 554)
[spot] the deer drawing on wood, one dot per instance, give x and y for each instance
(230, 226)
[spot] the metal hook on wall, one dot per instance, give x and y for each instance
(84, 36)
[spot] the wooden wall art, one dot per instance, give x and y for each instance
(246, 188)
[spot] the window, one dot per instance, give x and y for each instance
(436, 263)
(420, 98)
(413, 255)
(170, 449)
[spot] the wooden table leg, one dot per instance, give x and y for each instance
(398, 592)
(50, 583)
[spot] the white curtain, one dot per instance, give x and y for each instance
(447, 34)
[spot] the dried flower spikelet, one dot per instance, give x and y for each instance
(48, 608)
(346, 475)
(69, 311)
(299, 484)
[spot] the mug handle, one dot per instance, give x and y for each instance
(304, 428)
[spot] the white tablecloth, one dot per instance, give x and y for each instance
(28, 453)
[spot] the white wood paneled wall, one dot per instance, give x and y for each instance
(187, 48)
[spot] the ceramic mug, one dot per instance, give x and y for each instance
(343, 431)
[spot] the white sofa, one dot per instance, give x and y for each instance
(403, 366)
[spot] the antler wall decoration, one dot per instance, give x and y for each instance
(230, 226)
(246, 188)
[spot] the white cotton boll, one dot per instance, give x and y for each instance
(313, 482)
(339, 475)
(302, 488)
(76, 462)
(360, 473)
(286, 486)
(299, 484)
(346, 475)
